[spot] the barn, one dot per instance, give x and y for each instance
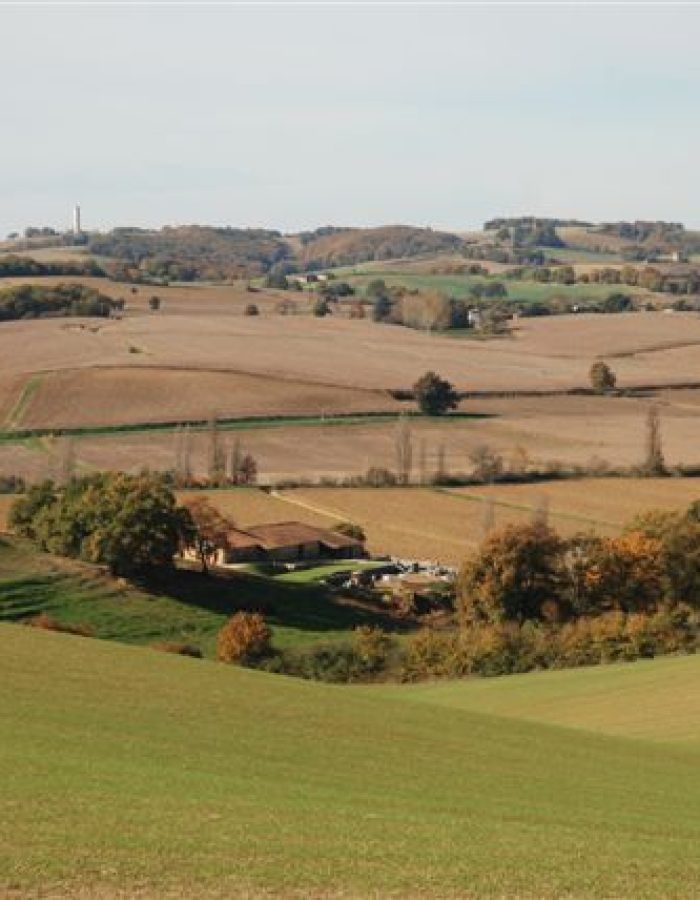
(287, 542)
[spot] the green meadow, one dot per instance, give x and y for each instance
(459, 286)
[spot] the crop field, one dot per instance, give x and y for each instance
(446, 523)
(565, 430)
(145, 774)
(542, 354)
(77, 398)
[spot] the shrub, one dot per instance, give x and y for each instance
(368, 654)
(251, 310)
(350, 529)
(432, 654)
(602, 377)
(48, 623)
(372, 647)
(380, 477)
(336, 662)
(178, 647)
(245, 638)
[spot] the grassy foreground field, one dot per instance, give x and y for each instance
(147, 774)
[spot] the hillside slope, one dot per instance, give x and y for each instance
(148, 773)
(657, 700)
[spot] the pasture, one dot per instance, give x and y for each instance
(139, 773)
(460, 286)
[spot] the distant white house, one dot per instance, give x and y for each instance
(309, 278)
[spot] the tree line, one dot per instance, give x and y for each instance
(29, 301)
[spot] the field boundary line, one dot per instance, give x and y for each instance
(524, 507)
(27, 391)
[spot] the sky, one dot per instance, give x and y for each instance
(293, 116)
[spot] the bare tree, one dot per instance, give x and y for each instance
(441, 473)
(183, 456)
(654, 457)
(216, 462)
(422, 462)
(487, 464)
(234, 461)
(488, 518)
(403, 446)
(66, 459)
(540, 510)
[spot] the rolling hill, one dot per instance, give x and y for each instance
(139, 773)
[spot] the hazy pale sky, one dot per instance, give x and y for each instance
(293, 116)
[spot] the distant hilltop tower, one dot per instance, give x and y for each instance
(76, 219)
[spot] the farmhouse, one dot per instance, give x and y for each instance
(287, 542)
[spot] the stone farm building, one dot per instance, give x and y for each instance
(287, 542)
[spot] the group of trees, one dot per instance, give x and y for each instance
(227, 462)
(36, 301)
(130, 523)
(12, 266)
(528, 572)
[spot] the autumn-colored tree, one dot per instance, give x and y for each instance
(245, 638)
(350, 529)
(623, 573)
(210, 530)
(403, 448)
(602, 377)
(653, 458)
(515, 575)
(679, 535)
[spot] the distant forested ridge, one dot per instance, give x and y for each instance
(196, 253)
(531, 222)
(348, 246)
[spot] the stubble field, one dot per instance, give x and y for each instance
(445, 524)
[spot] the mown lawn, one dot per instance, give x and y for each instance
(132, 771)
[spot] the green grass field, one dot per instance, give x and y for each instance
(151, 775)
(655, 700)
(186, 606)
(459, 285)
